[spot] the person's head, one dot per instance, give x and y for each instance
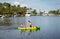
(21, 23)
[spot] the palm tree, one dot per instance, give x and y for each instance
(13, 9)
(24, 10)
(34, 12)
(56, 12)
(6, 7)
(1, 7)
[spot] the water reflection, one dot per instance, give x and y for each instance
(29, 31)
(5, 22)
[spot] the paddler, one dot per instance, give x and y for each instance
(22, 25)
(30, 24)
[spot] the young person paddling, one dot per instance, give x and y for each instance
(30, 24)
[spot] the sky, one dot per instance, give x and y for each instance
(39, 5)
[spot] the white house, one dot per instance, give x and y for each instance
(28, 13)
(45, 14)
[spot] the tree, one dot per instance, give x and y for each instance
(34, 12)
(56, 12)
(13, 9)
(1, 8)
(6, 7)
(21, 10)
(18, 9)
(24, 10)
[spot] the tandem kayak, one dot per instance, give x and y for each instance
(29, 28)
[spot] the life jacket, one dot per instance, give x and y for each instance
(30, 25)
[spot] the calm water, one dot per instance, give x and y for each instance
(50, 27)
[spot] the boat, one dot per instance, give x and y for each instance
(29, 28)
(28, 14)
(2, 16)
